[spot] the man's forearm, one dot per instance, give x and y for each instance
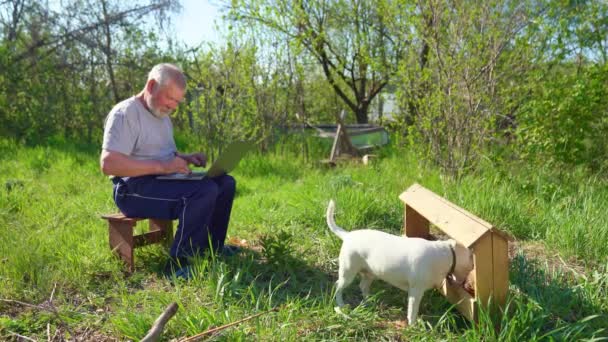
(118, 164)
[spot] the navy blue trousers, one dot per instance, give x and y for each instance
(202, 207)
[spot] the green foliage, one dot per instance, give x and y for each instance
(222, 105)
(61, 75)
(567, 117)
(450, 90)
(532, 76)
(276, 246)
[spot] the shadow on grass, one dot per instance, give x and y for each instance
(297, 277)
(560, 297)
(287, 278)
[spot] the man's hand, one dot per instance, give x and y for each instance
(176, 165)
(197, 159)
(118, 164)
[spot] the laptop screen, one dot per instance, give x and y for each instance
(229, 158)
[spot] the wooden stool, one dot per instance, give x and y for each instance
(122, 240)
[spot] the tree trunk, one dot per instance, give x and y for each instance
(107, 49)
(361, 112)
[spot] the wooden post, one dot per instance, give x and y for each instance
(500, 255)
(335, 148)
(484, 270)
(121, 241)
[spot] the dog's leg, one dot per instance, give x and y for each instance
(414, 298)
(366, 282)
(344, 280)
(345, 277)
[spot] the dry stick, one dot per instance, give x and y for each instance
(11, 301)
(158, 326)
(51, 308)
(197, 337)
(53, 292)
(56, 312)
(21, 336)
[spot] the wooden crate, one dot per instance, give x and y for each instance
(489, 246)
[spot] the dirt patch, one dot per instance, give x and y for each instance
(539, 251)
(81, 334)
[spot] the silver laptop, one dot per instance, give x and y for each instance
(225, 163)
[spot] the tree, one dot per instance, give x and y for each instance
(451, 94)
(56, 61)
(564, 117)
(357, 44)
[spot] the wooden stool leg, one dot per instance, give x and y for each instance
(121, 241)
(166, 227)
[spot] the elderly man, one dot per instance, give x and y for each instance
(138, 145)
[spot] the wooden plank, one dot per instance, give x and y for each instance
(500, 255)
(451, 219)
(158, 224)
(120, 217)
(464, 302)
(335, 147)
(121, 241)
(353, 133)
(415, 225)
(166, 226)
(464, 211)
(484, 269)
(148, 238)
(345, 145)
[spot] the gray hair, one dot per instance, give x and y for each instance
(166, 72)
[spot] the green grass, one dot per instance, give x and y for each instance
(52, 241)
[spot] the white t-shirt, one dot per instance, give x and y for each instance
(132, 130)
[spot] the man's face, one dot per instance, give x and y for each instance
(164, 100)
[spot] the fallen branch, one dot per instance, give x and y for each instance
(158, 326)
(45, 306)
(21, 336)
(12, 301)
(198, 337)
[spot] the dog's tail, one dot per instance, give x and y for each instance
(331, 223)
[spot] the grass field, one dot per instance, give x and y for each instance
(60, 281)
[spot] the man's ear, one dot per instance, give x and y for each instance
(150, 85)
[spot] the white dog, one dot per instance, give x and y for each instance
(411, 264)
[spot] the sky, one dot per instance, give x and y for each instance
(195, 23)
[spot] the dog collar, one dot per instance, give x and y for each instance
(453, 261)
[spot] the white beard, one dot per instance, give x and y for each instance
(155, 111)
